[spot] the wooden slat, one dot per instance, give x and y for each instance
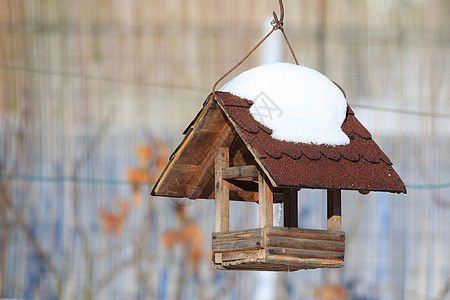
(238, 245)
(304, 263)
(240, 172)
(237, 235)
(314, 234)
(265, 201)
(290, 202)
(230, 256)
(284, 242)
(334, 210)
(206, 171)
(302, 253)
(257, 266)
(222, 192)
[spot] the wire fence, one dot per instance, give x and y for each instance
(94, 97)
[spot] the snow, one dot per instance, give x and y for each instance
(299, 104)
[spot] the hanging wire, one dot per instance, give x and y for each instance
(277, 24)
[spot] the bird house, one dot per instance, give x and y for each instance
(227, 155)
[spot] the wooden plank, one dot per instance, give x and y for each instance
(200, 180)
(304, 263)
(222, 192)
(240, 172)
(290, 202)
(314, 234)
(240, 255)
(302, 253)
(284, 242)
(239, 245)
(334, 210)
(265, 200)
(258, 266)
(237, 235)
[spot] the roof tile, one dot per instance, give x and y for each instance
(316, 166)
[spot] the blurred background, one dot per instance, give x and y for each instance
(95, 95)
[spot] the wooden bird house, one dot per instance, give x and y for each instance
(227, 155)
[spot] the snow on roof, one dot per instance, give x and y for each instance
(299, 104)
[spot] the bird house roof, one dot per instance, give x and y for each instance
(225, 121)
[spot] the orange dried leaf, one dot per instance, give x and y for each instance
(190, 236)
(144, 151)
(331, 292)
(138, 176)
(114, 222)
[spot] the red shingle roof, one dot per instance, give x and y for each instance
(360, 165)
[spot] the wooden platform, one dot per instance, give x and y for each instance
(278, 249)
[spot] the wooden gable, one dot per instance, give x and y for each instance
(190, 171)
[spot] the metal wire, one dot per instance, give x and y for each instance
(277, 23)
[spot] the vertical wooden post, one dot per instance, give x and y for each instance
(334, 210)
(265, 198)
(290, 203)
(222, 192)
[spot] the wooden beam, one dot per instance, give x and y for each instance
(240, 172)
(251, 186)
(265, 200)
(334, 210)
(247, 196)
(290, 202)
(243, 196)
(196, 187)
(222, 191)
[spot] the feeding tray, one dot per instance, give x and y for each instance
(278, 249)
(227, 155)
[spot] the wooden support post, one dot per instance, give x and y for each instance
(265, 198)
(222, 191)
(290, 203)
(334, 210)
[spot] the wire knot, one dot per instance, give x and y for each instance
(278, 23)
